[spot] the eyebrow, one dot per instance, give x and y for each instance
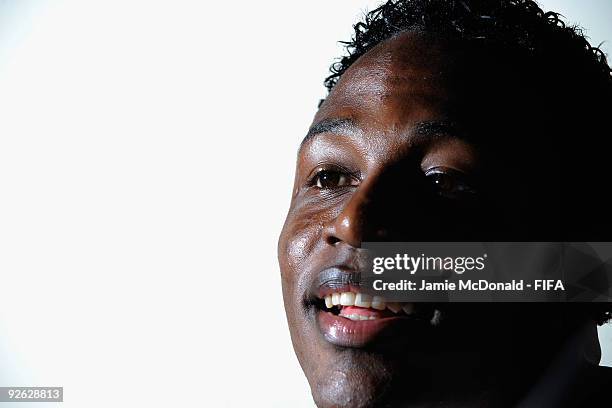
(433, 129)
(330, 125)
(422, 131)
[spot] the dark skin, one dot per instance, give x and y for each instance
(395, 154)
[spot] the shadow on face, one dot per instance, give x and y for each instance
(421, 140)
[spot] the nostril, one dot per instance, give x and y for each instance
(332, 240)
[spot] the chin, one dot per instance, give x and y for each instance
(350, 378)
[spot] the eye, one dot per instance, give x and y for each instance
(332, 178)
(449, 183)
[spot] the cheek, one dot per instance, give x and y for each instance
(297, 242)
(297, 246)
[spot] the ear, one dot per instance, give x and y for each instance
(592, 348)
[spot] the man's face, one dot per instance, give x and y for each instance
(387, 160)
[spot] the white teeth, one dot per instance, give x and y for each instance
(328, 302)
(363, 300)
(347, 298)
(366, 301)
(378, 303)
(358, 317)
(395, 307)
(408, 308)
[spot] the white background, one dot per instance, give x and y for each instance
(146, 159)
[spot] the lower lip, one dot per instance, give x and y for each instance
(354, 333)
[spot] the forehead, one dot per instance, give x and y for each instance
(391, 91)
(393, 83)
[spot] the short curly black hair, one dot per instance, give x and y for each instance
(571, 78)
(519, 24)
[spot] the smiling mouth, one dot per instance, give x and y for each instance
(355, 319)
(361, 306)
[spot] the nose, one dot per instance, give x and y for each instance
(357, 222)
(393, 203)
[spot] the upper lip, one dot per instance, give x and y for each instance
(342, 273)
(339, 278)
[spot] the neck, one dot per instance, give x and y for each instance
(505, 379)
